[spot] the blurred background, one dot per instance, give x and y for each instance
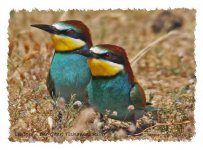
(166, 72)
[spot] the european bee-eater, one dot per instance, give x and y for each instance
(69, 73)
(113, 90)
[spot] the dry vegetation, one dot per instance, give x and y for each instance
(167, 73)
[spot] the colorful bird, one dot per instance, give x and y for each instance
(69, 73)
(113, 91)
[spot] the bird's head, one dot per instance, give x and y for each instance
(107, 60)
(68, 35)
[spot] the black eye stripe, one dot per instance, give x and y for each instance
(72, 33)
(65, 32)
(114, 58)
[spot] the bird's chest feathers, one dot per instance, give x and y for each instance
(69, 68)
(111, 94)
(111, 88)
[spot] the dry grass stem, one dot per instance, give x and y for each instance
(143, 51)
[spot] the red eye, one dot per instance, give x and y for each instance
(108, 55)
(70, 32)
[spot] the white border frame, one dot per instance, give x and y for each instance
(7, 6)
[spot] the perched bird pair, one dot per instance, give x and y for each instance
(103, 71)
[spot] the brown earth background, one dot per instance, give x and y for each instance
(166, 72)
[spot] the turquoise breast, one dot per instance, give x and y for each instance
(111, 94)
(69, 74)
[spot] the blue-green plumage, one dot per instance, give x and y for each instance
(69, 74)
(112, 93)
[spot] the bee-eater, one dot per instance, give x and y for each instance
(113, 91)
(69, 73)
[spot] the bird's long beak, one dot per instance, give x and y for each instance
(86, 53)
(45, 27)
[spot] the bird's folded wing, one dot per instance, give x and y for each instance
(137, 96)
(50, 86)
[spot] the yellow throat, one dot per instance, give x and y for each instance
(66, 43)
(103, 68)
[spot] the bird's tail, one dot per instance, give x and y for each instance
(150, 108)
(149, 103)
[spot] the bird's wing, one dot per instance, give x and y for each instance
(137, 96)
(138, 99)
(50, 86)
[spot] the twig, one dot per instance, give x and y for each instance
(162, 124)
(146, 49)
